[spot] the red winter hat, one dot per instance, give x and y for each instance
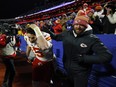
(82, 20)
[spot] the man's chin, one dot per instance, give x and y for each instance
(77, 31)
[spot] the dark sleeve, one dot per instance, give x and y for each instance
(57, 37)
(102, 54)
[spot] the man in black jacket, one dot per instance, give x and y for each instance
(81, 50)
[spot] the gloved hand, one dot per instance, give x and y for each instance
(46, 28)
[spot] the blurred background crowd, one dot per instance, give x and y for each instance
(59, 15)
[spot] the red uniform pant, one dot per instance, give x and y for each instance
(42, 71)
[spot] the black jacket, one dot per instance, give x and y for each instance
(82, 51)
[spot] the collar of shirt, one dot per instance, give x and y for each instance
(75, 35)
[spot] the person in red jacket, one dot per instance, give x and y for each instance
(57, 27)
(7, 54)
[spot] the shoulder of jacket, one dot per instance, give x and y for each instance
(92, 36)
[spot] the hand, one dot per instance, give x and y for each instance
(29, 61)
(46, 28)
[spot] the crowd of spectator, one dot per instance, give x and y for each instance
(102, 19)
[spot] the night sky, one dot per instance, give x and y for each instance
(14, 8)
